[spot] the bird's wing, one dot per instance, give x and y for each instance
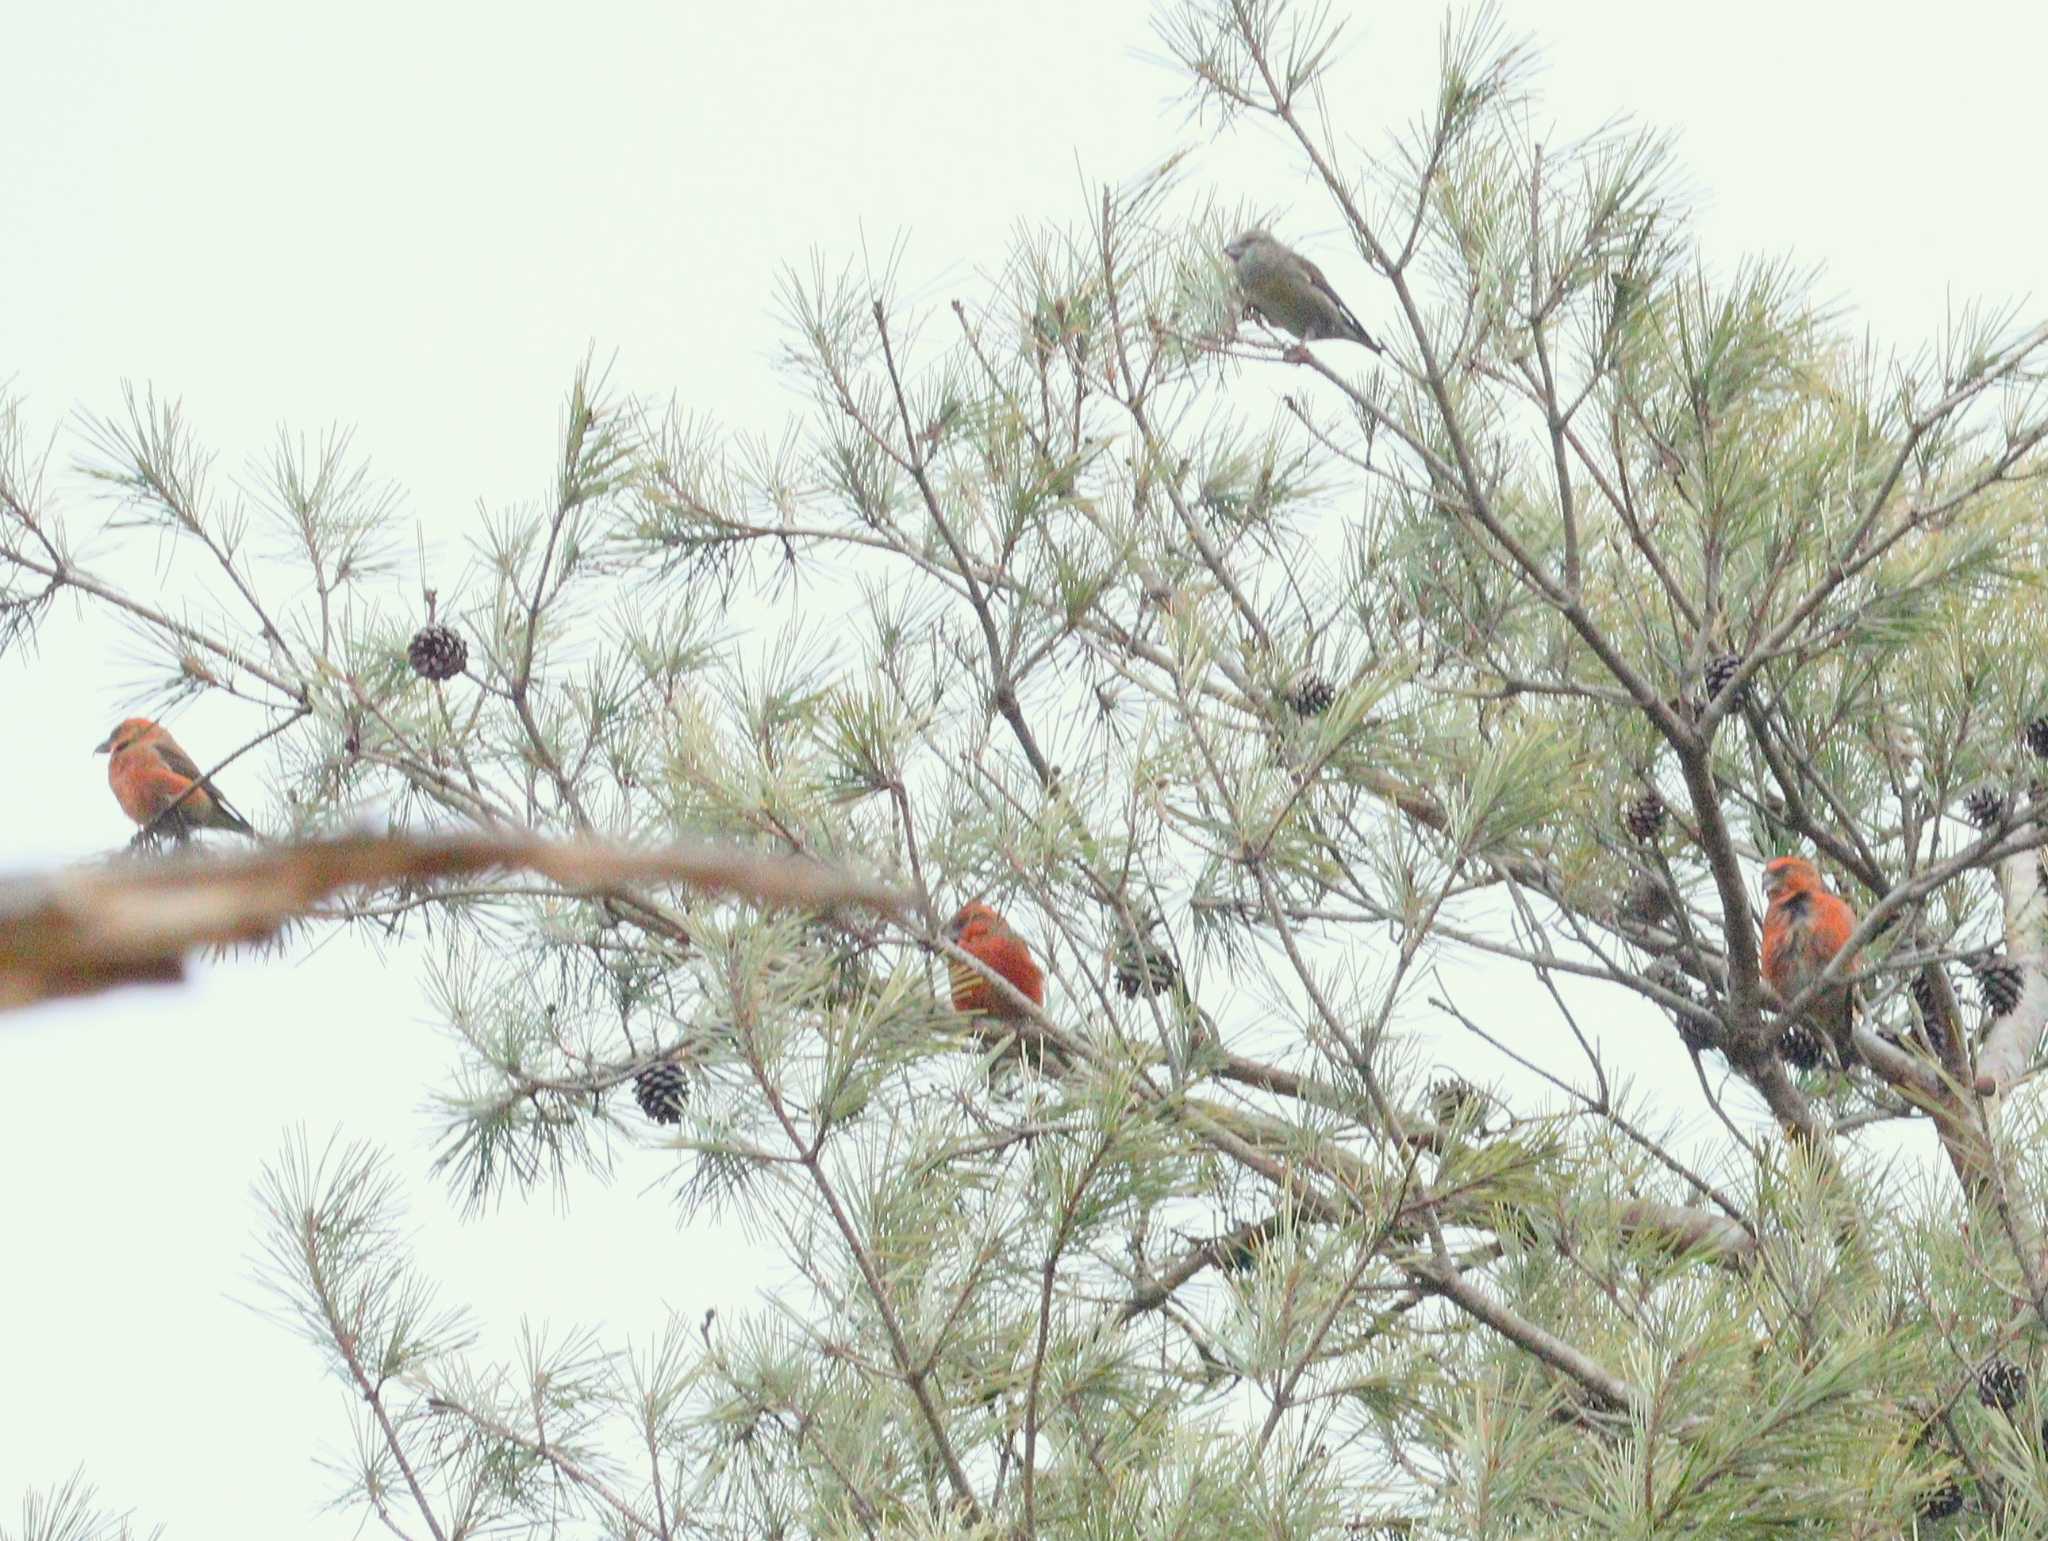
(180, 764)
(176, 759)
(1831, 929)
(1321, 285)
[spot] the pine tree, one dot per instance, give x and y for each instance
(1195, 1251)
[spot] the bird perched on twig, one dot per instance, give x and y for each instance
(160, 787)
(1289, 291)
(1805, 925)
(982, 933)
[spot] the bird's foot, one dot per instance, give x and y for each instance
(1299, 354)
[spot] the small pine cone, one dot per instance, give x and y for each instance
(1720, 670)
(1237, 1251)
(1939, 1503)
(1802, 1048)
(1311, 697)
(1922, 991)
(1453, 1099)
(1645, 816)
(1937, 1037)
(1647, 901)
(1146, 969)
(2001, 1384)
(437, 653)
(661, 1091)
(2037, 738)
(1985, 806)
(1665, 975)
(2000, 985)
(1932, 1028)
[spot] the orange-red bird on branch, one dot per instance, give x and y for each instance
(151, 777)
(980, 932)
(1805, 925)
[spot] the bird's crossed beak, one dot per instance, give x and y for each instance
(107, 747)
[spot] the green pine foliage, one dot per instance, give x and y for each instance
(1021, 609)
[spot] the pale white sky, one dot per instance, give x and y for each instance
(413, 220)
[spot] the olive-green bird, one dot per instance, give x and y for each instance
(1289, 291)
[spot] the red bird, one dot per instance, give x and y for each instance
(1805, 925)
(980, 932)
(150, 775)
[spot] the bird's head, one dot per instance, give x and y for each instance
(1237, 248)
(1789, 875)
(131, 730)
(975, 919)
